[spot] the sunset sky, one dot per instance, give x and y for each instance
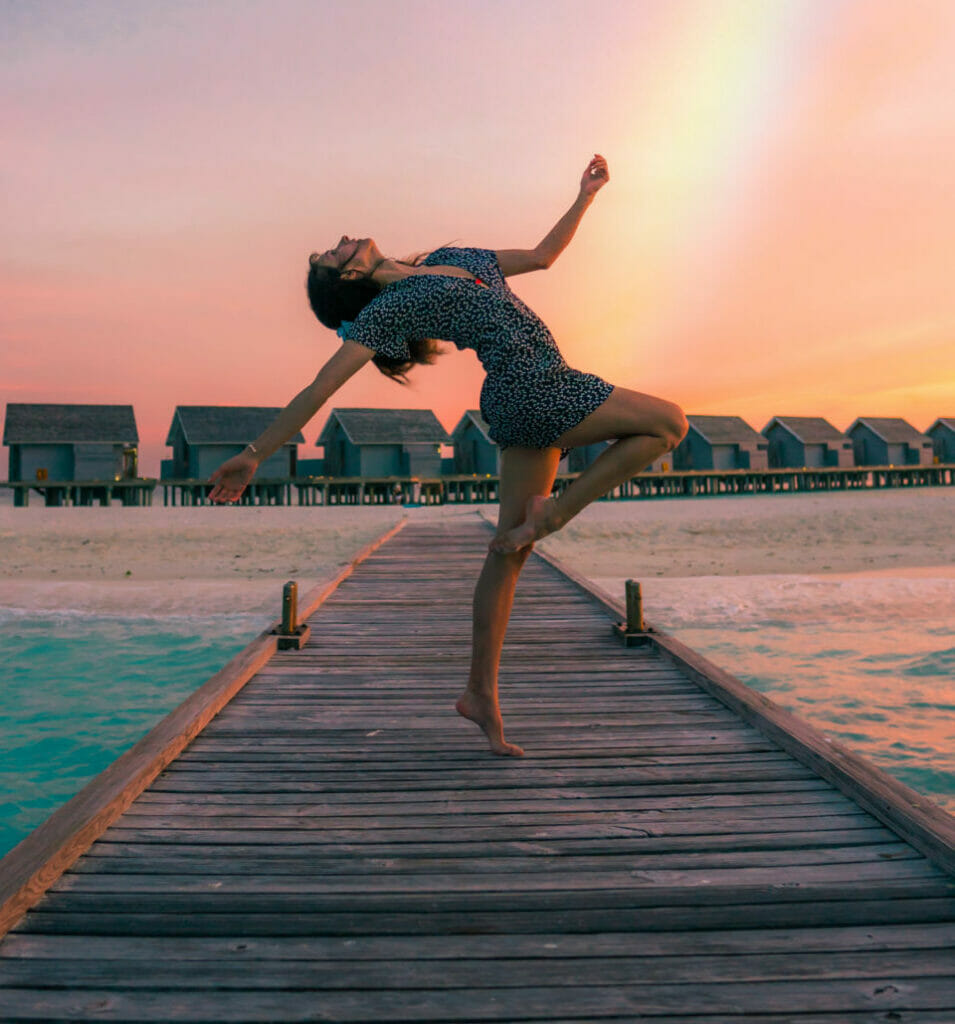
(776, 238)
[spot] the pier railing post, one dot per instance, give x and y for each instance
(292, 635)
(289, 607)
(634, 607)
(633, 632)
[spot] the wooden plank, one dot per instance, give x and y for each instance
(329, 863)
(874, 876)
(657, 795)
(301, 763)
(623, 843)
(35, 863)
(809, 790)
(751, 804)
(483, 1004)
(184, 781)
(469, 819)
(301, 828)
(542, 946)
(680, 742)
(463, 972)
(426, 918)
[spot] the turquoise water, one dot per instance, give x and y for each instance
(868, 659)
(78, 690)
(896, 708)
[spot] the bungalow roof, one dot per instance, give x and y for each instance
(892, 429)
(724, 429)
(224, 424)
(387, 426)
(808, 429)
(472, 416)
(55, 423)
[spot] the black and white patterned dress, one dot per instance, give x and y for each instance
(530, 395)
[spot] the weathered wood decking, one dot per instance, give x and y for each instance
(337, 844)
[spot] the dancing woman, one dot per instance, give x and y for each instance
(536, 406)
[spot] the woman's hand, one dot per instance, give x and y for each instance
(595, 177)
(233, 476)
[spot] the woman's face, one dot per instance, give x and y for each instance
(353, 257)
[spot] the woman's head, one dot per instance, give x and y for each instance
(340, 285)
(339, 280)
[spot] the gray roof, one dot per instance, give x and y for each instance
(895, 430)
(808, 429)
(387, 426)
(46, 423)
(724, 429)
(945, 421)
(472, 416)
(225, 424)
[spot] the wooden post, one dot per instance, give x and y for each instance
(289, 607)
(633, 632)
(634, 607)
(291, 635)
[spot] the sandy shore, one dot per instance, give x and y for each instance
(159, 560)
(746, 535)
(164, 561)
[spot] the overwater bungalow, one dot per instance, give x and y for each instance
(721, 442)
(383, 442)
(889, 441)
(580, 458)
(51, 442)
(474, 451)
(942, 433)
(804, 441)
(202, 437)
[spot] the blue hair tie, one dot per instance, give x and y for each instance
(344, 327)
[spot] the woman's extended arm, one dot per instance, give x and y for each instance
(594, 178)
(234, 475)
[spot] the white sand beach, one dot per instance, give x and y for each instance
(196, 560)
(865, 555)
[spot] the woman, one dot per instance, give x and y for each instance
(536, 406)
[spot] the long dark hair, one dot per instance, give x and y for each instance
(333, 300)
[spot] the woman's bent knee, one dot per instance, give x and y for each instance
(672, 426)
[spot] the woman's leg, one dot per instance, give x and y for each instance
(525, 472)
(644, 428)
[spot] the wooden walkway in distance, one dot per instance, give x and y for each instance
(338, 845)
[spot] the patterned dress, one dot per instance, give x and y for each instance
(530, 395)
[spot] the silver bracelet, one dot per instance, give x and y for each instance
(253, 449)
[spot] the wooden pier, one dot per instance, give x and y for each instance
(137, 491)
(472, 489)
(316, 835)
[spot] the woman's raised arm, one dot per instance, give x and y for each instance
(595, 176)
(233, 476)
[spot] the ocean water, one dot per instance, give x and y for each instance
(868, 658)
(79, 690)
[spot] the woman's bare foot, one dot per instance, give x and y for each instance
(540, 519)
(487, 715)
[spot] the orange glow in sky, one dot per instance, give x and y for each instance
(776, 237)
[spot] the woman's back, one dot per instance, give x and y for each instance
(486, 317)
